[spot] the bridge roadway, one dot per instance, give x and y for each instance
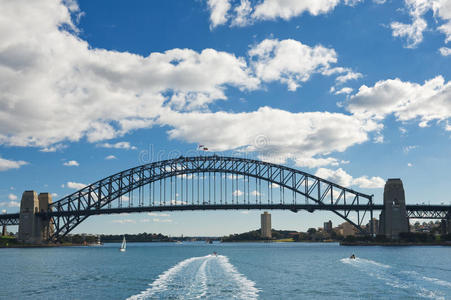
(414, 211)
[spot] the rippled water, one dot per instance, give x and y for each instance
(239, 271)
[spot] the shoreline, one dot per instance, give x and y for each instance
(394, 244)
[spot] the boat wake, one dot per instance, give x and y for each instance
(200, 278)
(424, 287)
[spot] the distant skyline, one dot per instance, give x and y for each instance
(353, 91)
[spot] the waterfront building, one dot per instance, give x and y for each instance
(375, 223)
(346, 229)
(328, 226)
(266, 225)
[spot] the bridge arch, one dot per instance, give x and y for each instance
(307, 191)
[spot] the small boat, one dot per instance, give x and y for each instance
(123, 245)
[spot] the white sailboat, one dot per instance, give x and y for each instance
(123, 245)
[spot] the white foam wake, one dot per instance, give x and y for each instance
(397, 279)
(247, 287)
(201, 277)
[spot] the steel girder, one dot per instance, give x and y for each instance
(96, 198)
(9, 219)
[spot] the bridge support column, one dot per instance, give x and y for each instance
(4, 231)
(393, 219)
(33, 229)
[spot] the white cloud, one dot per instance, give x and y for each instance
(152, 214)
(409, 148)
(311, 162)
(75, 185)
(445, 51)
(244, 212)
(409, 165)
(345, 90)
(124, 221)
(413, 32)
(289, 61)
(6, 164)
(157, 220)
(255, 193)
(71, 163)
(348, 76)
(237, 193)
(218, 11)
(53, 148)
(242, 13)
(3, 211)
(340, 177)
(12, 197)
(292, 135)
(10, 204)
(245, 13)
(92, 93)
(118, 145)
(287, 9)
(54, 195)
(110, 157)
(406, 100)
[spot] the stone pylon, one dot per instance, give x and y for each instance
(32, 228)
(393, 219)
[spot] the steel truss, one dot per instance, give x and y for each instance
(9, 219)
(297, 190)
(428, 211)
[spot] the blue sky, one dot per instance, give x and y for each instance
(353, 91)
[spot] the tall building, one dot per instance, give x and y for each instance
(346, 229)
(328, 226)
(266, 225)
(375, 223)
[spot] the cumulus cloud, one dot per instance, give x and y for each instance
(311, 162)
(340, 177)
(71, 163)
(413, 32)
(406, 100)
(10, 204)
(110, 157)
(152, 214)
(291, 62)
(75, 185)
(118, 145)
(246, 12)
(287, 9)
(218, 11)
(294, 135)
(237, 193)
(6, 164)
(157, 220)
(64, 90)
(12, 197)
(345, 90)
(445, 51)
(124, 221)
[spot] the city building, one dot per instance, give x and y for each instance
(375, 223)
(266, 225)
(328, 226)
(346, 229)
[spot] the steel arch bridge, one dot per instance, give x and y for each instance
(209, 183)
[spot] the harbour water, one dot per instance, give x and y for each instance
(238, 271)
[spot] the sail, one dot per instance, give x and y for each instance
(124, 244)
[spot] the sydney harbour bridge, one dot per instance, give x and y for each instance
(213, 183)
